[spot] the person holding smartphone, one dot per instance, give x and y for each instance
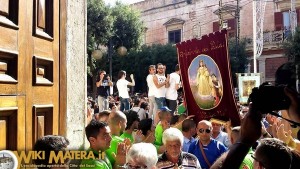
(103, 89)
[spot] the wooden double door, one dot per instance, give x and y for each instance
(29, 71)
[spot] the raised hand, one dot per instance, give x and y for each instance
(138, 136)
(150, 138)
(283, 135)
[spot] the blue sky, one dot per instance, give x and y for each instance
(112, 2)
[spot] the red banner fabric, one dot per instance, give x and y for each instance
(206, 78)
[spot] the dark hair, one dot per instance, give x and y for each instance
(110, 105)
(286, 75)
(177, 68)
(136, 101)
(121, 73)
(93, 128)
(101, 71)
(144, 105)
(47, 144)
(273, 153)
(131, 116)
(295, 159)
(145, 125)
(188, 124)
(174, 119)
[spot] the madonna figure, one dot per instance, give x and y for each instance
(203, 80)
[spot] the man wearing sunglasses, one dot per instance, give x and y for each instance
(206, 149)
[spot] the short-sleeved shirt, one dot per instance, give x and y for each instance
(158, 134)
(129, 136)
(160, 92)
(151, 85)
(113, 148)
(95, 163)
(212, 151)
(248, 161)
(186, 143)
(171, 92)
(104, 88)
(122, 88)
(223, 138)
(186, 160)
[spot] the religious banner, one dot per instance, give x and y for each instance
(246, 82)
(206, 78)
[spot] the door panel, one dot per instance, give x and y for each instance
(29, 71)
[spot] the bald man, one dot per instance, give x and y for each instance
(117, 123)
(206, 149)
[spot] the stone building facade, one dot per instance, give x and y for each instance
(179, 20)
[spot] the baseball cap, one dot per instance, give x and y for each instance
(165, 108)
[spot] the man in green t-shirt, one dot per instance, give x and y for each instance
(164, 123)
(117, 123)
(99, 136)
(132, 124)
(248, 160)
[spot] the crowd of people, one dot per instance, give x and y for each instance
(148, 132)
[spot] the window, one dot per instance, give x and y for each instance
(231, 26)
(282, 20)
(174, 36)
(286, 20)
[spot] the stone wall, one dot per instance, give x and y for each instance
(76, 81)
(157, 12)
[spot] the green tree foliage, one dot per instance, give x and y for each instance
(99, 30)
(99, 24)
(137, 62)
(238, 62)
(292, 47)
(128, 27)
(120, 24)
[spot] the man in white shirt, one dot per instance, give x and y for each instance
(151, 91)
(161, 82)
(171, 93)
(122, 84)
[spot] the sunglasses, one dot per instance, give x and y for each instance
(206, 130)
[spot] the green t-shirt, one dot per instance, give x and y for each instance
(181, 109)
(158, 135)
(113, 148)
(95, 163)
(129, 136)
(248, 161)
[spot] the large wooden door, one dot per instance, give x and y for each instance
(29, 71)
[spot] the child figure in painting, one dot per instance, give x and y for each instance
(216, 89)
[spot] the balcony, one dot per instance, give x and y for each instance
(272, 39)
(284, 5)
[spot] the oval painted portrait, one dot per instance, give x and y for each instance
(205, 82)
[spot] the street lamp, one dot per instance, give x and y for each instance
(97, 54)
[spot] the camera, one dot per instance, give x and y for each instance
(268, 98)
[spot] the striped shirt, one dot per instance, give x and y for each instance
(186, 161)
